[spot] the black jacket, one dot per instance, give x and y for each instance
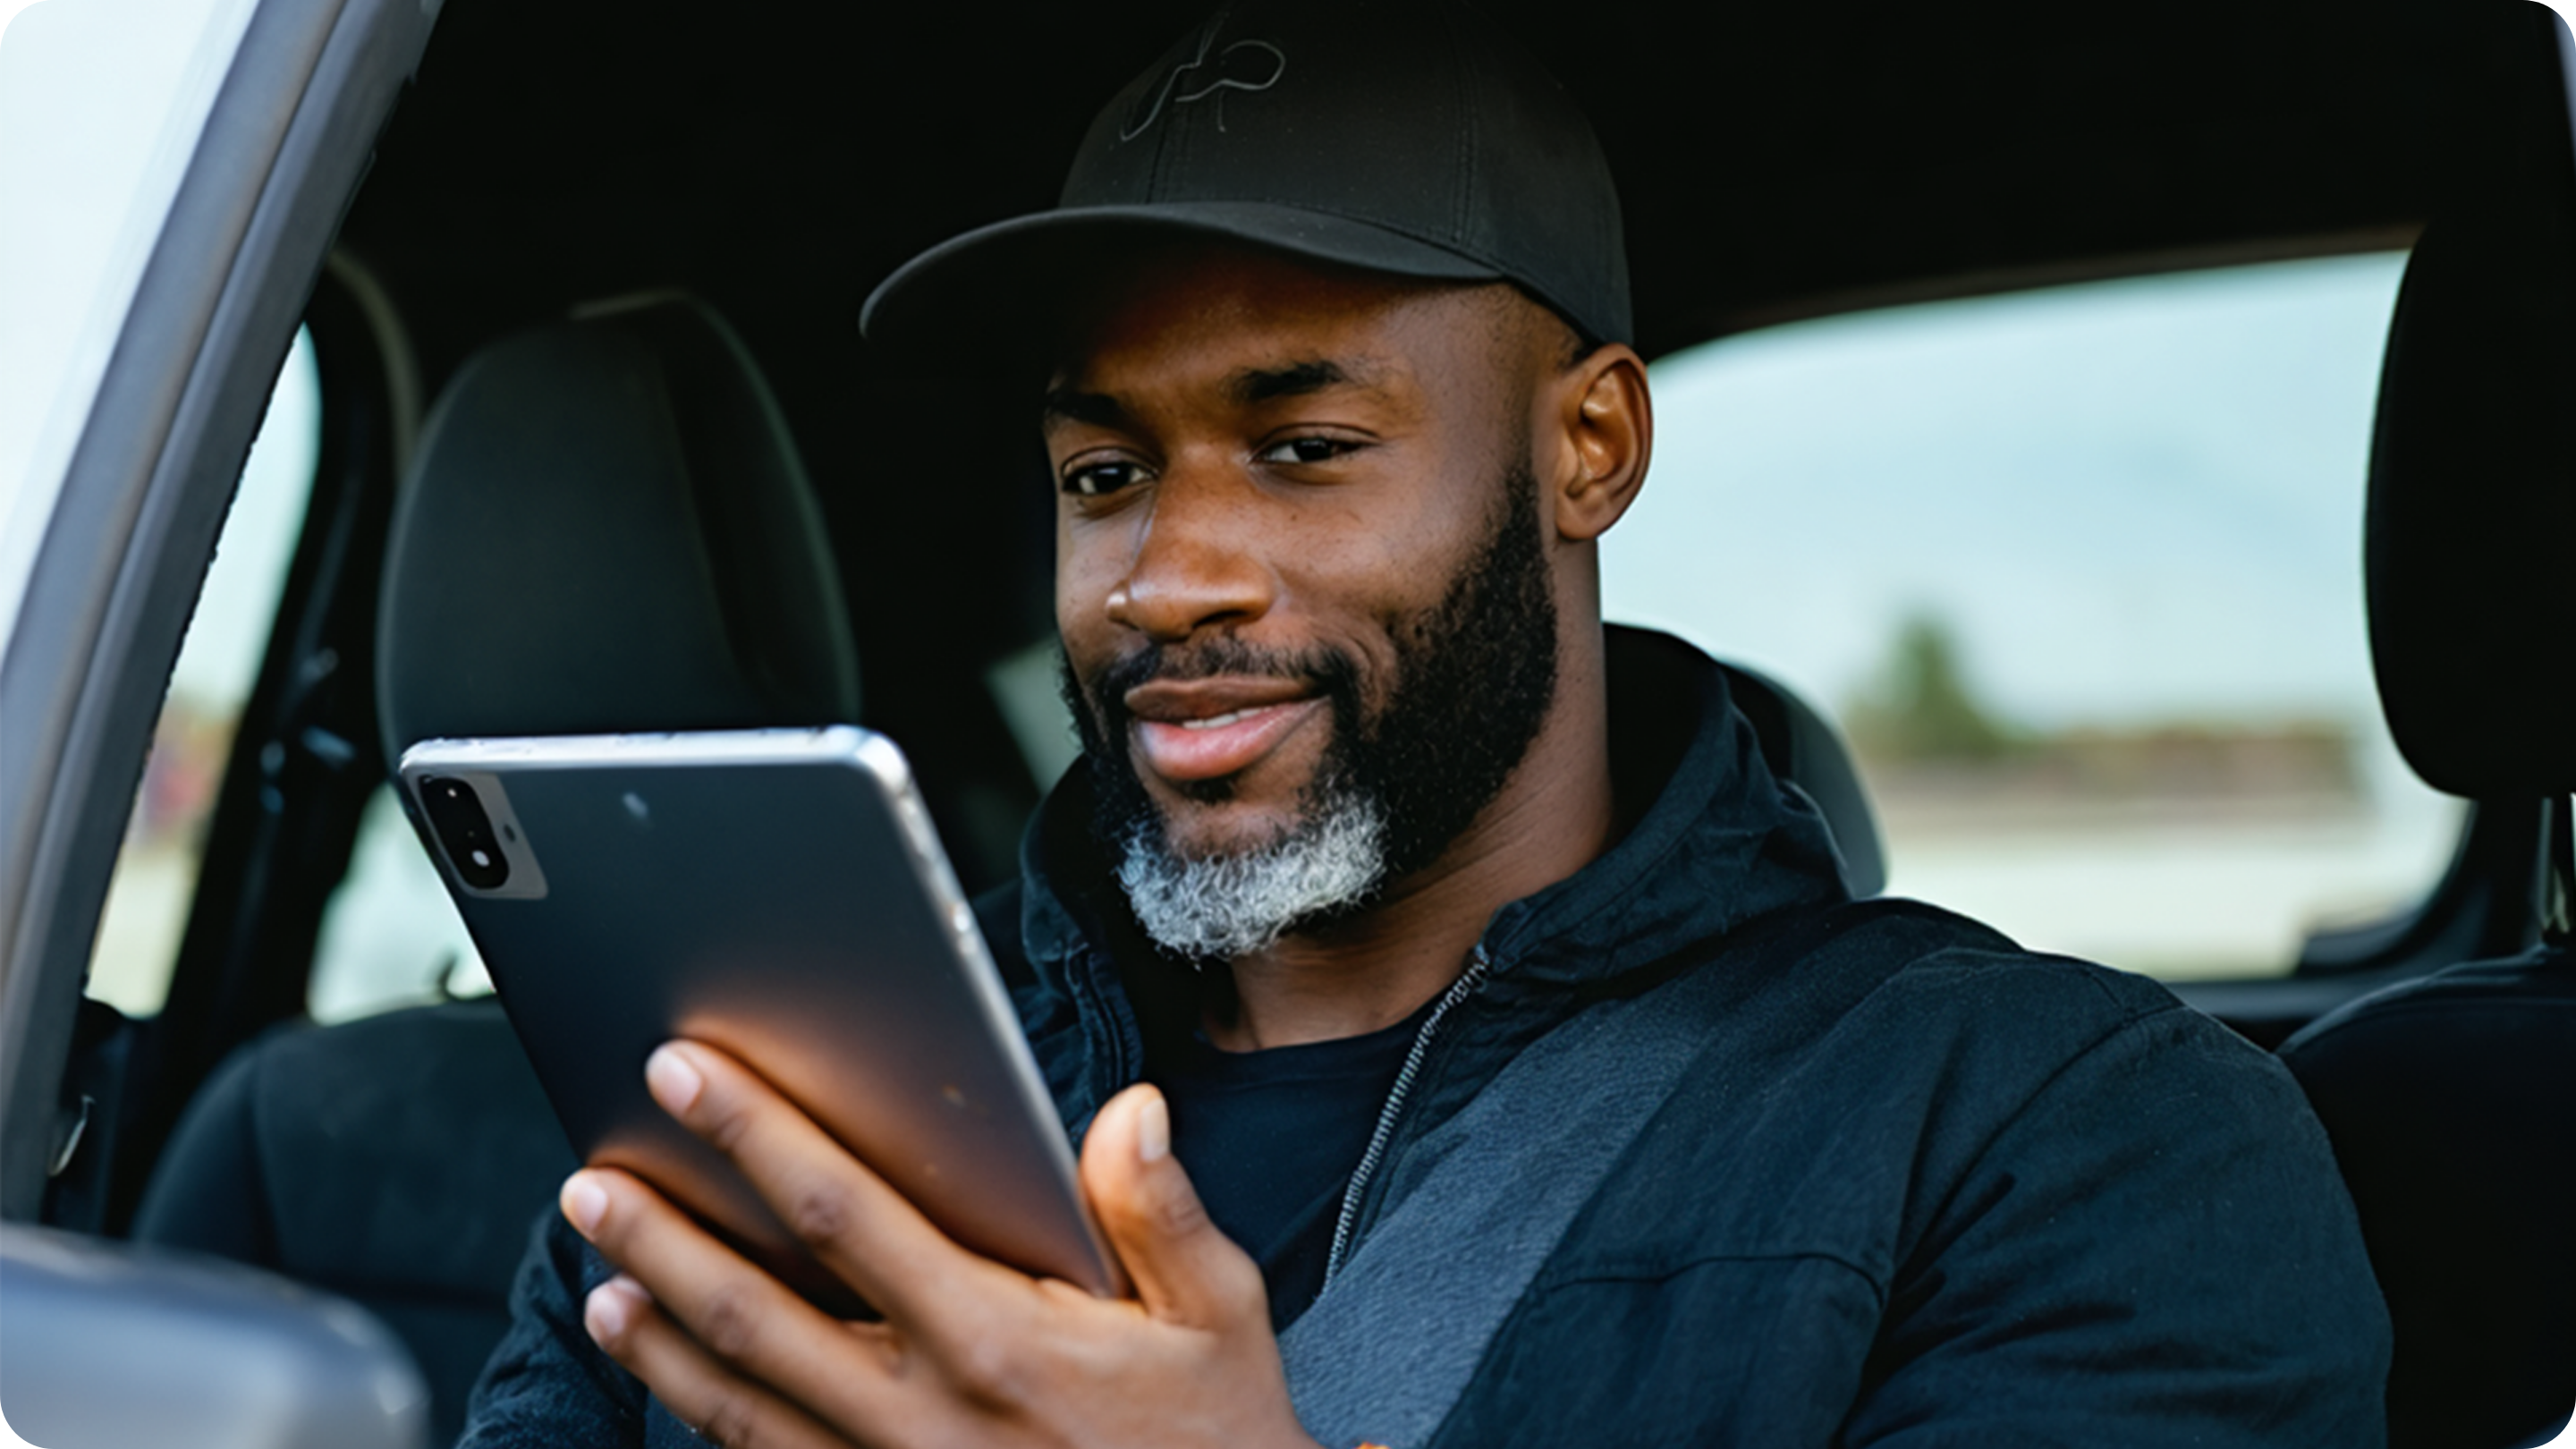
(1923, 1188)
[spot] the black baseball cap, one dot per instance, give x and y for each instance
(1408, 138)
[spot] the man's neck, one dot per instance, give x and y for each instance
(1552, 818)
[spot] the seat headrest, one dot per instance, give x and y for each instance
(2471, 529)
(1796, 743)
(1802, 749)
(606, 528)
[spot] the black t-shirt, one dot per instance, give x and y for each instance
(1270, 1139)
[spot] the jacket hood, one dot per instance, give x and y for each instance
(1712, 841)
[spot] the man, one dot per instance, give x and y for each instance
(1469, 1039)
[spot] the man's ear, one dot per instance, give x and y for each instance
(1607, 422)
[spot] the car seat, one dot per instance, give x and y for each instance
(2451, 1099)
(1807, 754)
(606, 528)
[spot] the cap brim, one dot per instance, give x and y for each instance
(996, 290)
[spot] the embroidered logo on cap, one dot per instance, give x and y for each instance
(1244, 65)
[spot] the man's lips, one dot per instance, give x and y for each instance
(1204, 729)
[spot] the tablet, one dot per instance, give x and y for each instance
(779, 894)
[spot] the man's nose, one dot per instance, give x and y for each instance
(1198, 561)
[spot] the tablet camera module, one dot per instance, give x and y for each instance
(463, 827)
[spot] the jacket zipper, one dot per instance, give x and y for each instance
(1478, 967)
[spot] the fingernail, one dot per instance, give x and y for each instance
(1153, 1130)
(674, 1083)
(607, 1312)
(585, 1202)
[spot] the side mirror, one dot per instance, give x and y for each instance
(108, 1346)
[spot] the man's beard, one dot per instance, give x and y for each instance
(1474, 678)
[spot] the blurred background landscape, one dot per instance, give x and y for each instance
(2078, 571)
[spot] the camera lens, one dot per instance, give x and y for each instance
(456, 815)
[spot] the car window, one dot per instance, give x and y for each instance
(156, 867)
(2078, 572)
(390, 934)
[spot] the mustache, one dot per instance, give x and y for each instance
(1329, 671)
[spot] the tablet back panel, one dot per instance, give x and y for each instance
(780, 895)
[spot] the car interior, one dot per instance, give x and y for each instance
(599, 448)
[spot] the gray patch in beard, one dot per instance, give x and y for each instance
(1229, 905)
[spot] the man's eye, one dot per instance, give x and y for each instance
(1306, 450)
(1094, 480)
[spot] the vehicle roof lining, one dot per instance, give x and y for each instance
(1772, 159)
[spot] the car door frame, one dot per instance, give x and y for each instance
(132, 526)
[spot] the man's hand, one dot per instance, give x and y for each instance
(970, 1352)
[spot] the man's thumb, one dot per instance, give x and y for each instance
(1183, 1268)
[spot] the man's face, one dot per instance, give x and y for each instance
(1304, 596)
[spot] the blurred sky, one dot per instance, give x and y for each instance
(2131, 500)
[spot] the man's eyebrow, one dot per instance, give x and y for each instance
(1073, 405)
(1296, 379)
(1246, 387)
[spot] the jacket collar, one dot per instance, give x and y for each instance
(1719, 843)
